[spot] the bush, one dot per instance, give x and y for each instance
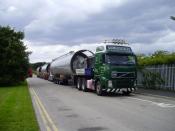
(157, 58)
(151, 80)
(14, 60)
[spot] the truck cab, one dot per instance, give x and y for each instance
(114, 69)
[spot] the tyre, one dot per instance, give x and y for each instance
(79, 83)
(84, 85)
(99, 91)
(65, 82)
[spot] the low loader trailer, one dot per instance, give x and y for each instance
(111, 69)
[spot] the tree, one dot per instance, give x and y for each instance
(160, 53)
(36, 65)
(14, 60)
(157, 58)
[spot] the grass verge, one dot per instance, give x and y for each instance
(16, 110)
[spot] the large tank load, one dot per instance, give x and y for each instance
(45, 69)
(38, 71)
(64, 67)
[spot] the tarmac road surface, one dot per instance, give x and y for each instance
(64, 108)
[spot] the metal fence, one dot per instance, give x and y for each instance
(167, 73)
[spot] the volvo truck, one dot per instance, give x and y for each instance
(112, 68)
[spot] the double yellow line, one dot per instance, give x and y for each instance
(50, 126)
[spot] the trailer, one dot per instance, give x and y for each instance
(111, 69)
(64, 67)
(45, 70)
(38, 71)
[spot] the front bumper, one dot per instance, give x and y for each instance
(119, 85)
(119, 90)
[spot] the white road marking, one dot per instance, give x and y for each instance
(156, 95)
(163, 105)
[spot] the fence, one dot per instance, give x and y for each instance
(167, 72)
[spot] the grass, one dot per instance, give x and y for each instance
(16, 110)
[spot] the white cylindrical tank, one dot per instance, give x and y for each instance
(66, 64)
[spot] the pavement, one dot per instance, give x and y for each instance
(157, 93)
(64, 108)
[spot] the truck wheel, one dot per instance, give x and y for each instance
(99, 89)
(79, 84)
(84, 85)
(65, 82)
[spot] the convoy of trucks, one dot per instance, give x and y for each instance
(112, 68)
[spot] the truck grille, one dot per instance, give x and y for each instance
(123, 74)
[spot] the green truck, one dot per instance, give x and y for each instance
(111, 69)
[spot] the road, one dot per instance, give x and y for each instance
(64, 108)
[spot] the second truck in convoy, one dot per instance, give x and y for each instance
(111, 69)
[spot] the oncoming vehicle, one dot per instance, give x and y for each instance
(30, 73)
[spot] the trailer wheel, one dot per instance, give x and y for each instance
(65, 82)
(79, 83)
(99, 89)
(84, 85)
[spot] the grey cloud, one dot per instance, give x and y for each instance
(138, 21)
(151, 20)
(17, 18)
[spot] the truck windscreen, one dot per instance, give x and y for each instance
(114, 59)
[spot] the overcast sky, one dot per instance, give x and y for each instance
(54, 27)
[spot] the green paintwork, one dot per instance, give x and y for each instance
(103, 71)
